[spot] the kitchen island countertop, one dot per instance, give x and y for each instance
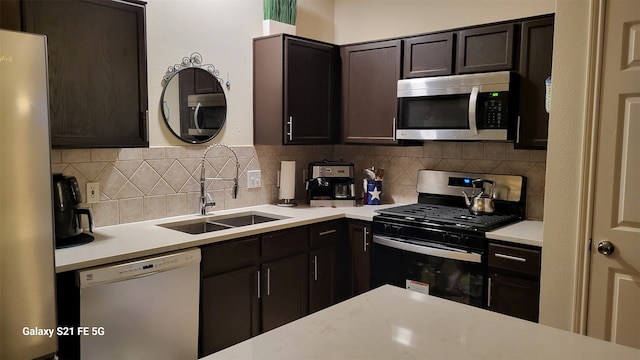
(394, 323)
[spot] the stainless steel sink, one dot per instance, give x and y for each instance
(221, 222)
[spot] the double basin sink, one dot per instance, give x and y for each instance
(221, 222)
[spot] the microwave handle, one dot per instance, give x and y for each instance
(195, 117)
(473, 100)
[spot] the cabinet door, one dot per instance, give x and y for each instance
(360, 257)
(284, 291)
(229, 309)
(322, 278)
(536, 52)
(429, 55)
(97, 71)
(487, 48)
(295, 84)
(310, 116)
(370, 74)
(514, 296)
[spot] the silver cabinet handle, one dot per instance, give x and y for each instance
(315, 267)
(509, 257)
(258, 284)
(393, 136)
(290, 123)
(518, 131)
(323, 233)
(489, 294)
(364, 238)
(268, 281)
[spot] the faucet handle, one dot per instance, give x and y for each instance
(211, 201)
(234, 190)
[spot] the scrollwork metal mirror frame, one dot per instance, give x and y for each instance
(192, 62)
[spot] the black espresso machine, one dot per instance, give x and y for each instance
(330, 183)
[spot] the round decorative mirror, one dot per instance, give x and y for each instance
(193, 102)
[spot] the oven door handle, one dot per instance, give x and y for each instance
(443, 252)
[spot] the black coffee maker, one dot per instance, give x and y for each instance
(330, 183)
(68, 224)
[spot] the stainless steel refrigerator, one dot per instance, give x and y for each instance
(27, 270)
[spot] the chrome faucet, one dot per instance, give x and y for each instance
(205, 199)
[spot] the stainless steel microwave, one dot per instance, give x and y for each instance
(206, 113)
(456, 107)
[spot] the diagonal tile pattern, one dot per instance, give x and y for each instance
(151, 183)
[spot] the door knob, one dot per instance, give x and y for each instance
(606, 247)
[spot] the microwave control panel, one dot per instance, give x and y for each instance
(492, 110)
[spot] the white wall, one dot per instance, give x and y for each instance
(361, 20)
(564, 163)
(222, 32)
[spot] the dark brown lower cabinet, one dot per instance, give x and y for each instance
(252, 285)
(327, 264)
(230, 311)
(322, 278)
(514, 296)
(514, 280)
(360, 239)
(283, 291)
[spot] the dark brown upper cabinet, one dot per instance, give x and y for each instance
(97, 70)
(370, 74)
(295, 84)
(429, 55)
(486, 48)
(536, 52)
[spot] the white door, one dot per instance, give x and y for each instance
(614, 289)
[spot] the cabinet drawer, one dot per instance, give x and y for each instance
(514, 259)
(226, 256)
(285, 242)
(325, 234)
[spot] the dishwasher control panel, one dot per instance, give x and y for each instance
(137, 267)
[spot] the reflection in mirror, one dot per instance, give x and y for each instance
(193, 102)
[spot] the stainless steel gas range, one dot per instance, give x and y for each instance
(438, 245)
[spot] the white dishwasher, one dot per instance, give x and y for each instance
(143, 309)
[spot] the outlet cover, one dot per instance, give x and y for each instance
(254, 178)
(93, 192)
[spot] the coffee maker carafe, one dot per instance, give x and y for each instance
(330, 184)
(67, 213)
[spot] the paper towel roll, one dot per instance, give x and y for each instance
(287, 180)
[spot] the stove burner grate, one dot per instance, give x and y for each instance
(448, 215)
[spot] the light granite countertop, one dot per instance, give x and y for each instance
(134, 240)
(527, 232)
(394, 323)
(129, 241)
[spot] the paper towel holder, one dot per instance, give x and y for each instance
(286, 192)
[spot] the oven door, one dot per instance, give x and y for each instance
(450, 273)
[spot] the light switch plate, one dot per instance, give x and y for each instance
(254, 178)
(93, 192)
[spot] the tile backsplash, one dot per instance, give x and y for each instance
(149, 183)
